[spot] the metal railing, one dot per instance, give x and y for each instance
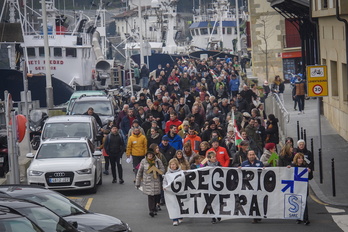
(274, 105)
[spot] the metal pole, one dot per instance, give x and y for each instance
(298, 130)
(312, 149)
(49, 89)
(320, 167)
(333, 177)
(26, 113)
(319, 122)
(305, 136)
(238, 29)
(140, 34)
(15, 151)
(301, 132)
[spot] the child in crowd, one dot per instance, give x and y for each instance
(196, 162)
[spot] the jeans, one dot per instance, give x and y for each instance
(301, 102)
(145, 82)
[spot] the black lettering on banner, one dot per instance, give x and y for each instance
(254, 207)
(269, 181)
(232, 179)
(195, 196)
(259, 171)
(201, 179)
(179, 185)
(247, 176)
(265, 206)
(179, 198)
(209, 198)
(189, 177)
(219, 184)
(224, 204)
(239, 202)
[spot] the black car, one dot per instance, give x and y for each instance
(40, 216)
(12, 222)
(66, 208)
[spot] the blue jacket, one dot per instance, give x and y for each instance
(234, 84)
(175, 142)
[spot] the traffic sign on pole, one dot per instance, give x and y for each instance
(317, 81)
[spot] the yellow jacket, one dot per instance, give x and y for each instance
(137, 145)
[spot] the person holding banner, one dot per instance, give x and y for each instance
(148, 174)
(221, 153)
(269, 157)
(299, 161)
(173, 167)
(241, 155)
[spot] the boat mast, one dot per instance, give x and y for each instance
(238, 29)
(49, 88)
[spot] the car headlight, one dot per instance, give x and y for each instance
(85, 171)
(35, 173)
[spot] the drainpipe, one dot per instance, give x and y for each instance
(346, 28)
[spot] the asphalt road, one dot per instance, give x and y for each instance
(130, 205)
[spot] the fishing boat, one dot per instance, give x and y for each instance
(77, 45)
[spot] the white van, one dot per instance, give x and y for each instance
(70, 126)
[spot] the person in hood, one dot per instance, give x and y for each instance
(272, 130)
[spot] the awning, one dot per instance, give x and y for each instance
(291, 8)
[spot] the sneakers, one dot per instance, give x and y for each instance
(152, 214)
(213, 220)
(106, 172)
(181, 220)
(114, 181)
(121, 181)
(175, 223)
(159, 208)
(306, 222)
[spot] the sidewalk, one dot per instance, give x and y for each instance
(333, 146)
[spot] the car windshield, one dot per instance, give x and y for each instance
(67, 129)
(45, 219)
(63, 150)
(102, 108)
(18, 224)
(55, 202)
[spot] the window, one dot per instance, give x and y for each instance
(31, 52)
(229, 30)
(214, 32)
(57, 52)
(204, 31)
(71, 52)
(41, 51)
(334, 79)
(193, 32)
(324, 4)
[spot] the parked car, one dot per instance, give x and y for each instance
(65, 208)
(44, 218)
(70, 126)
(104, 106)
(66, 164)
(78, 94)
(12, 222)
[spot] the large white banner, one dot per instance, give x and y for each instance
(279, 192)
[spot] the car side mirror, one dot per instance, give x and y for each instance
(30, 155)
(97, 153)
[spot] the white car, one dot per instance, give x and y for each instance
(66, 164)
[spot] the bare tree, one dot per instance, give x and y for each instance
(266, 32)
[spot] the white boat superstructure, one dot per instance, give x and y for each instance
(77, 44)
(216, 27)
(159, 25)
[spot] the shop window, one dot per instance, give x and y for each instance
(31, 52)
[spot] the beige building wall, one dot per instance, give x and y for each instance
(333, 54)
(267, 29)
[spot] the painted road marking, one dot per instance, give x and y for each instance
(82, 201)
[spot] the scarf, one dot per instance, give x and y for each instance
(277, 82)
(154, 136)
(151, 162)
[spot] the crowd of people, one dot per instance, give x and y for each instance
(191, 115)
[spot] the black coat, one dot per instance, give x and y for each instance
(114, 145)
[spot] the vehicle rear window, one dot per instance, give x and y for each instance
(67, 129)
(102, 108)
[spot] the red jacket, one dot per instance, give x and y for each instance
(175, 122)
(221, 156)
(195, 141)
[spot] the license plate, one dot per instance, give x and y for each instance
(1, 159)
(59, 180)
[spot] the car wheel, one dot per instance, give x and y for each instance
(101, 180)
(95, 186)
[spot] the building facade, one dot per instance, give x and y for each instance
(333, 53)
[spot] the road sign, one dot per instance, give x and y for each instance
(317, 81)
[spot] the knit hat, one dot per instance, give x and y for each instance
(165, 138)
(185, 123)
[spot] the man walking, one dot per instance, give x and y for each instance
(114, 147)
